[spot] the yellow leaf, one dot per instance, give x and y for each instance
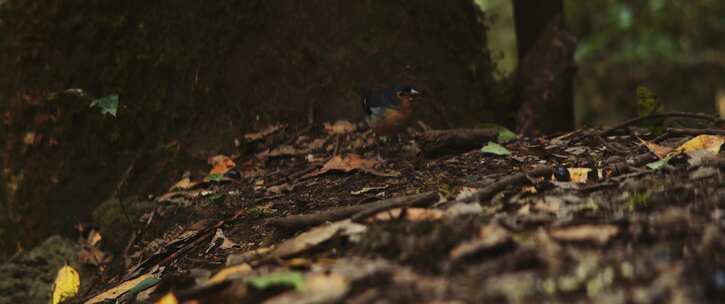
(579, 175)
(710, 143)
(66, 284)
(169, 298)
(233, 271)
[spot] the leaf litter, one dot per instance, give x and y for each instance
(503, 230)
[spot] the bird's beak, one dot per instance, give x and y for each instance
(414, 92)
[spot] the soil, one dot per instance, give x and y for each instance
(633, 235)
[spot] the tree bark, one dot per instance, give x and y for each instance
(544, 94)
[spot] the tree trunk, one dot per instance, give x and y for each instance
(544, 94)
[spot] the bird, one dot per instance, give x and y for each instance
(388, 111)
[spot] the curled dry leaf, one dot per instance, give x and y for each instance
(600, 234)
(339, 127)
(316, 236)
(660, 151)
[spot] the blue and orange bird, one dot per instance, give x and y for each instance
(388, 111)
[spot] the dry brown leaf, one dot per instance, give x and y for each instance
(351, 162)
(220, 164)
(660, 151)
(599, 234)
(264, 133)
(316, 236)
(339, 127)
(183, 184)
(285, 150)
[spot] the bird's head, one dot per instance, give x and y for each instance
(407, 91)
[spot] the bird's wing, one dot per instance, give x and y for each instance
(382, 99)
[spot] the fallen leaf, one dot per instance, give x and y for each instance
(108, 104)
(495, 149)
(710, 143)
(339, 127)
(285, 150)
(660, 151)
(220, 164)
(119, 289)
(599, 234)
(292, 279)
(656, 165)
(505, 135)
(578, 175)
(183, 184)
(66, 284)
(315, 237)
(225, 242)
(351, 162)
(250, 137)
(169, 298)
(228, 273)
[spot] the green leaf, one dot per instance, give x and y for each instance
(505, 135)
(108, 104)
(292, 279)
(659, 164)
(496, 149)
(216, 177)
(143, 285)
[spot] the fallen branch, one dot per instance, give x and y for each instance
(296, 222)
(632, 121)
(438, 142)
(695, 132)
(520, 178)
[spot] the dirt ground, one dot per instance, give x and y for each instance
(410, 225)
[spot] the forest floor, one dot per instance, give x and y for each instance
(344, 216)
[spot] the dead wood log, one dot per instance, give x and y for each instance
(438, 142)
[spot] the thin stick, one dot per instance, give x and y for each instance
(296, 222)
(632, 121)
(520, 178)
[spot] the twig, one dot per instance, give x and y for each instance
(520, 178)
(688, 131)
(419, 200)
(296, 222)
(632, 121)
(609, 146)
